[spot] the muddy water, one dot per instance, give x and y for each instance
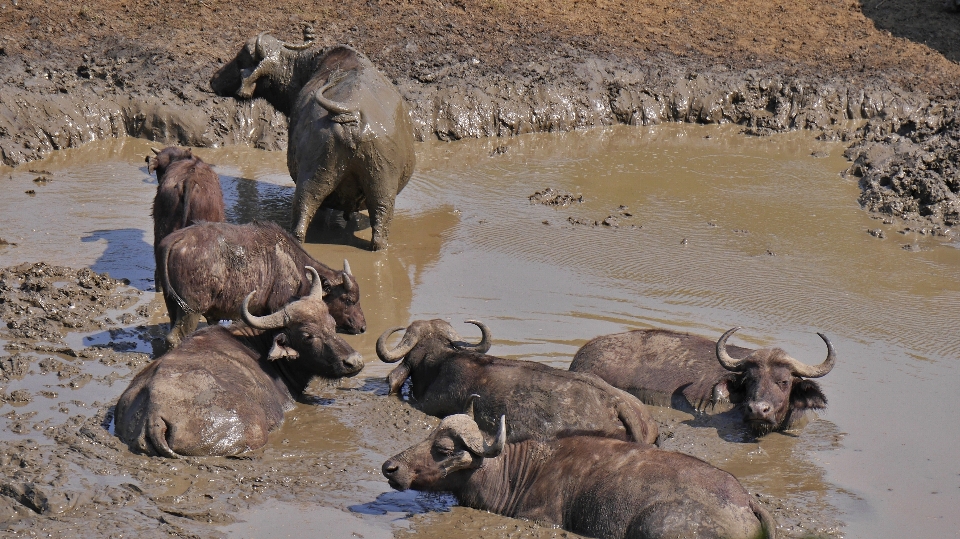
(706, 229)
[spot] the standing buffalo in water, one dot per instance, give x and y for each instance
(687, 371)
(206, 269)
(350, 136)
(188, 192)
(444, 372)
(224, 389)
(598, 487)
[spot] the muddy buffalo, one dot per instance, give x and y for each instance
(207, 268)
(598, 487)
(350, 135)
(224, 389)
(688, 372)
(188, 192)
(445, 370)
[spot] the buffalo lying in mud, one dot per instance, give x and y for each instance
(687, 371)
(225, 388)
(206, 269)
(444, 372)
(598, 487)
(350, 135)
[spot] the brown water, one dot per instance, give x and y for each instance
(725, 231)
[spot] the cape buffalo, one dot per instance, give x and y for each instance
(595, 486)
(205, 269)
(224, 389)
(350, 135)
(188, 191)
(444, 371)
(677, 369)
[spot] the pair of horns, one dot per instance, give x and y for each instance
(796, 367)
(280, 318)
(411, 337)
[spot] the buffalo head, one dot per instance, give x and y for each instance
(457, 445)
(424, 344)
(343, 300)
(307, 334)
(772, 387)
(261, 68)
(162, 159)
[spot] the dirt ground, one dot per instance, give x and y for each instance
(882, 75)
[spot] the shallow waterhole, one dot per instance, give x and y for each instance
(705, 229)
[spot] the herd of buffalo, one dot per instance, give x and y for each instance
(574, 448)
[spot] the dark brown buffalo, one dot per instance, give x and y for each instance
(225, 388)
(595, 486)
(444, 371)
(207, 268)
(188, 191)
(686, 371)
(350, 135)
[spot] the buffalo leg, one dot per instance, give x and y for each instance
(185, 324)
(309, 195)
(381, 213)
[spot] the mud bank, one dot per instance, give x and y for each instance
(141, 69)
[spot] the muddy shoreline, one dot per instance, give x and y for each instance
(73, 76)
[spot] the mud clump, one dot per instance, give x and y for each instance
(552, 197)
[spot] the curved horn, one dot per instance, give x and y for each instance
(332, 106)
(499, 442)
(485, 340)
(276, 320)
(155, 150)
(316, 288)
(346, 267)
(300, 47)
(725, 360)
(392, 356)
(810, 371)
(258, 49)
(468, 409)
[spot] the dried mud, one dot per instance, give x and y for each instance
(868, 73)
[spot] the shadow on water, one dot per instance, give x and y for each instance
(927, 22)
(127, 256)
(409, 502)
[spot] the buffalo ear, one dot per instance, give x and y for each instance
(736, 391)
(280, 350)
(806, 395)
(397, 377)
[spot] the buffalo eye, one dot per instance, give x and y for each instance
(444, 447)
(784, 384)
(307, 336)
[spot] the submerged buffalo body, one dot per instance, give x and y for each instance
(598, 487)
(225, 388)
(207, 268)
(350, 135)
(688, 371)
(445, 371)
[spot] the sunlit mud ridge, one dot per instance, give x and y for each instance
(459, 100)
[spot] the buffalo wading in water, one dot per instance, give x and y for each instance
(225, 388)
(206, 269)
(444, 371)
(188, 192)
(595, 486)
(690, 372)
(350, 135)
